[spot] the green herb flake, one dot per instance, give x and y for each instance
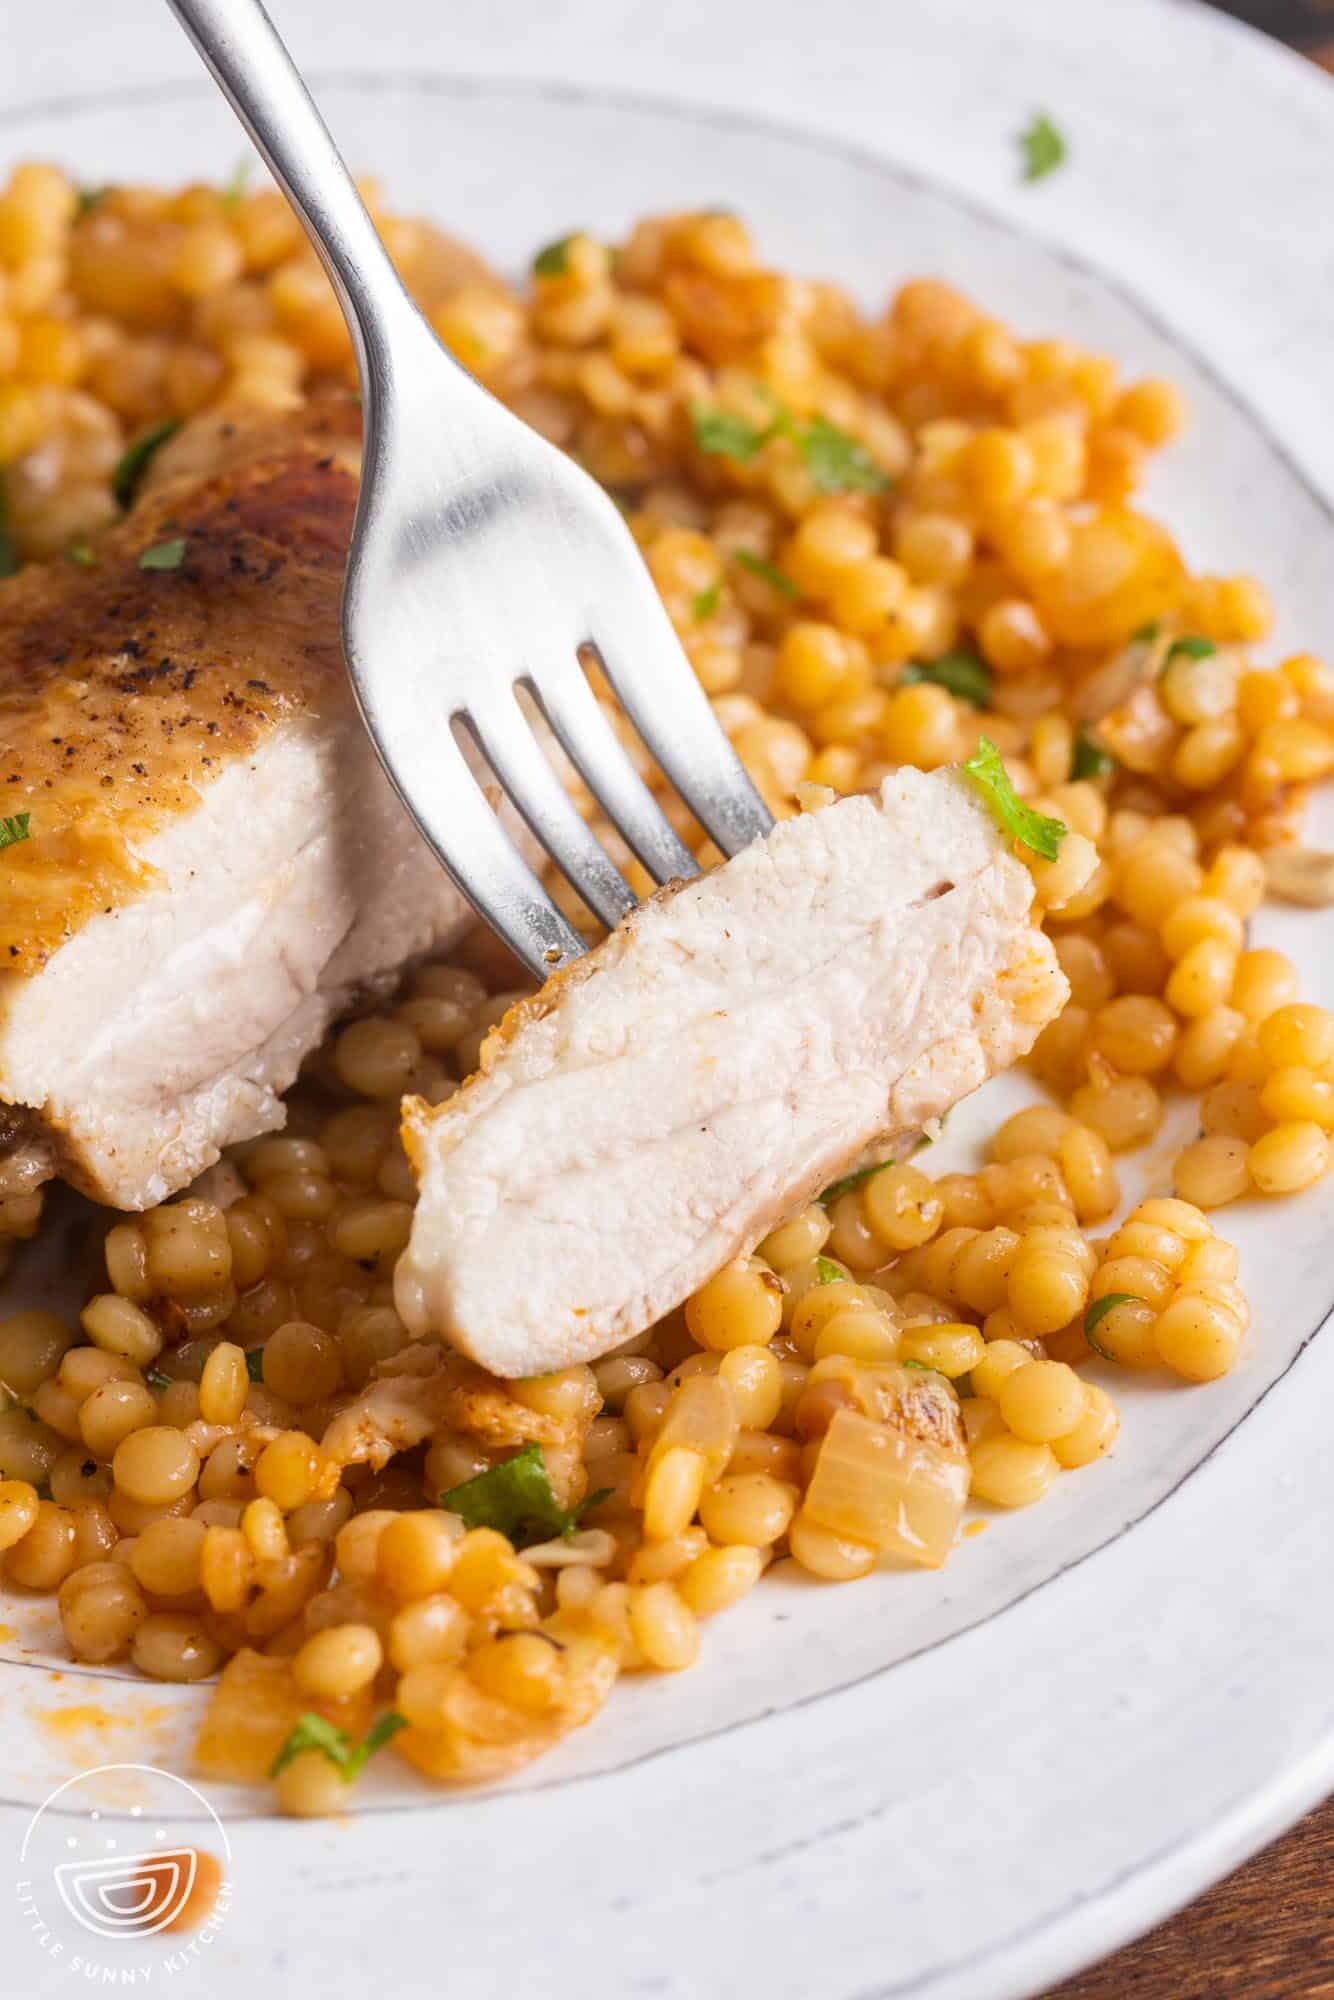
(234, 192)
(722, 433)
(925, 1368)
(961, 674)
(836, 462)
(1098, 1312)
(1031, 829)
(1146, 633)
(706, 603)
(164, 555)
(767, 572)
(1090, 759)
(1191, 647)
(134, 462)
(553, 259)
(156, 1379)
(383, 1730)
(81, 554)
(312, 1732)
(516, 1499)
(1042, 146)
(850, 1182)
(91, 198)
(14, 829)
(254, 1363)
(827, 1272)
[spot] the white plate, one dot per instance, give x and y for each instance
(954, 1785)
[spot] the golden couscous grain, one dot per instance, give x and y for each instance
(975, 524)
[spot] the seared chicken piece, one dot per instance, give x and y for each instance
(422, 1391)
(216, 865)
(724, 1055)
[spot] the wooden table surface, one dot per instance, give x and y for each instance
(1267, 1932)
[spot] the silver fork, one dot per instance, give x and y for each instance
(483, 563)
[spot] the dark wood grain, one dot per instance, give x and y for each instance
(1267, 1932)
(1307, 24)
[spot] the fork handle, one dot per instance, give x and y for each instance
(251, 65)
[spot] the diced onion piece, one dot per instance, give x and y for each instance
(901, 1494)
(703, 1417)
(252, 1710)
(1300, 875)
(593, 1548)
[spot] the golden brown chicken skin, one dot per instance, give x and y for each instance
(215, 864)
(124, 687)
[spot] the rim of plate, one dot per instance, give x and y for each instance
(1261, 1812)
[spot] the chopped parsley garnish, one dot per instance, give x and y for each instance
(254, 1363)
(1191, 647)
(723, 434)
(384, 1728)
(1032, 830)
(850, 1182)
(1098, 1311)
(827, 1272)
(767, 572)
(89, 199)
(164, 555)
(1043, 147)
(234, 192)
(82, 554)
(1090, 759)
(1146, 633)
(836, 462)
(962, 674)
(14, 829)
(312, 1732)
(515, 1497)
(128, 476)
(553, 259)
(156, 1379)
(706, 603)
(926, 1368)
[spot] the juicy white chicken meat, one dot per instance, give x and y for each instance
(216, 865)
(726, 1053)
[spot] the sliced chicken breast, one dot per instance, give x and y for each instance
(733, 1046)
(216, 865)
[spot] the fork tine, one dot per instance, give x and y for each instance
(485, 864)
(655, 684)
(591, 744)
(514, 754)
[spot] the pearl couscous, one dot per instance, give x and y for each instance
(875, 533)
